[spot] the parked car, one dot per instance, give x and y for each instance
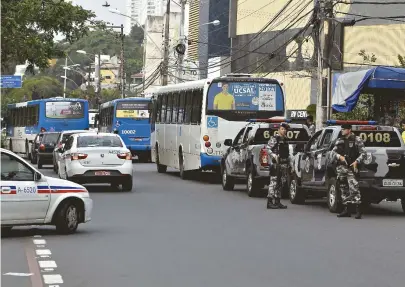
(46, 147)
(97, 158)
(247, 158)
(380, 177)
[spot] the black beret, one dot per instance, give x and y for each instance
(347, 126)
(285, 125)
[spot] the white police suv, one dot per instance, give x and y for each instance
(30, 198)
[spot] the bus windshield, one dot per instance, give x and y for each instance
(237, 100)
(132, 109)
(64, 110)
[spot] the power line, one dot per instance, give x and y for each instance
(373, 3)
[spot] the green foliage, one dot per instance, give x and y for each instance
(401, 60)
(367, 58)
(29, 28)
(362, 111)
(46, 87)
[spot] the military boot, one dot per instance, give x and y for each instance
(279, 204)
(345, 212)
(270, 204)
(358, 211)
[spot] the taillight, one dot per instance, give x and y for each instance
(207, 144)
(43, 130)
(42, 147)
(77, 156)
(206, 138)
(125, 155)
(264, 157)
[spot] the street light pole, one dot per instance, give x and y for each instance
(64, 82)
(122, 63)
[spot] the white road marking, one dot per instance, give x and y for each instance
(53, 279)
(18, 274)
(43, 252)
(37, 236)
(47, 264)
(53, 286)
(48, 269)
(39, 241)
(44, 256)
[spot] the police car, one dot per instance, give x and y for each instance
(30, 198)
(97, 158)
(247, 158)
(381, 176)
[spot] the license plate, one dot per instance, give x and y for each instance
(102, 173)
(393, 182)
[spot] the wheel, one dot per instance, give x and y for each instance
(253, 186)
(127, 185)
(228, 182)
(160, 167)
(403, 204)
(39, 162)
(296, 193)
(183, 174)
(5, 230)
(334, 197)
(67, 218)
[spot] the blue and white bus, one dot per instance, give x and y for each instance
(191, 120)
(129, 118)
(25, 120)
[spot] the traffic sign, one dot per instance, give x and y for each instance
(11, 82)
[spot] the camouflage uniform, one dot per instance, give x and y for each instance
(353, 150)
(312, 129)
(275, 146)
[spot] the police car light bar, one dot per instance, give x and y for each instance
(270, 120)
(342, 122)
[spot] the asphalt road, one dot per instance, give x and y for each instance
(169, 232)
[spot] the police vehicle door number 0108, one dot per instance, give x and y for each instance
(290, 134)
(375, 137)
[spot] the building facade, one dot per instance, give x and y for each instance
(276, 22)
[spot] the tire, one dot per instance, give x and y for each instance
(39, 162)
(228, 183)
(5, 230)
(67, 218)
(127, 185)
(183, 174)
(295, 192)
(403, 204)
(160, 167)
(334, 196)
(253, 186)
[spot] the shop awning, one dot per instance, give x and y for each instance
(347, 87)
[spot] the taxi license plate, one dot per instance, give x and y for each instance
(102, 173)
(393, 182)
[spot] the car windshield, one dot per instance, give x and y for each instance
(98, 141)
(66, 136)
(50, 138)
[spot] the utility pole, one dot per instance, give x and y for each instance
(165, 68)
(97, 69)
(122, 63)
(325, 15)
(182, 40)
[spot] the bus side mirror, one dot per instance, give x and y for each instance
(228, 142)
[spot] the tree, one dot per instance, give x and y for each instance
(29, 28)
(401, 60)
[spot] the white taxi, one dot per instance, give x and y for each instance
(30, 198)
(97, 158)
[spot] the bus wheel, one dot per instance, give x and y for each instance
(160, 167)
(183, 174)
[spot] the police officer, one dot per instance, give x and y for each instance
(349, 151)
(279, 154)
(310, 124)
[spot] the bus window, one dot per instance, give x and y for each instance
(169, 108)
(189, 106)
(197, 105)
(182, 107)
(175, 108)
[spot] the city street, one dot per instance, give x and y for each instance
(173, 233)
